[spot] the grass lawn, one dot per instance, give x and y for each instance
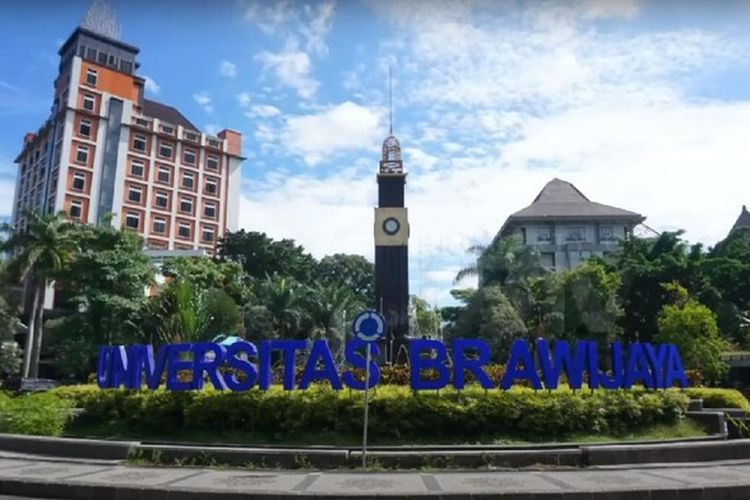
(683, 429)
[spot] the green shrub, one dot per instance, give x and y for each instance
(396, 413)
(44, 414)
(719, 398)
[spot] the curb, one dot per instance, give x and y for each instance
(405, 458)
(81, 491)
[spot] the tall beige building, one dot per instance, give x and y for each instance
(568, 228)
(106, 149)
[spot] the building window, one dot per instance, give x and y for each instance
(209, 210)
(126, 66)
(606, 233)
(139, 142)
(548, 260)
(165, 150)
(212, 162)
(208, 234)
(576, 233)
(160, 225)
(188, 156)
(84, 129)
(137, 168)
(91, 77)
(184, 230)
(79, 181)
(76, 209)
(167, 129)
(188, 180)
(134, 194)
(211, 187)
(163, 175)
(82, 154)
(544, 233)
(162, 199)
(186, 205)
(112, 61)
(89, 102)
(91, 56)
(102, 58)
(132, 220)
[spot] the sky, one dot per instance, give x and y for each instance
(642, 105)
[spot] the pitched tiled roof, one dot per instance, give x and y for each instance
(166, 113)
(743, 220)
(561, 199)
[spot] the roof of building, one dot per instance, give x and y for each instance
(164, 112)
(743, 220)
(560, 199)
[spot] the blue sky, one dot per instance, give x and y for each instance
(642, 105)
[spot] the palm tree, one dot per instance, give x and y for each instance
(43, 249)
(504, 262)
(324, 309)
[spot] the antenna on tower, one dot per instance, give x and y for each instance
(101, 18)
(390, 99)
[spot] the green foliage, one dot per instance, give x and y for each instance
(490, 316)
(205, 272)
(261, 256)
(41, 251)
(43, 414)
(719, 398)
(350, 272)
(692, 327)
(10, 351)
(645, 265)
(426, 319)
(396, 413)
(590, 307)
(182, 312)
(505, 262)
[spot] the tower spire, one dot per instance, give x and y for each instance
(390, 100)
(101, 18)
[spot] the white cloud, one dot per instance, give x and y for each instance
(204, 101)
(263, 111)
(419, 159)
(626, 9)
(211, 129)
(291, 68)
(243, 99)
(502, 102)
(151, 86)
(315, 30)
(228, 69)
(7, 191)
(304, 27)
(344, 127)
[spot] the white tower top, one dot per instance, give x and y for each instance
(101, 19)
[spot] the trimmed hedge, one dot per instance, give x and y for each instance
(44, 414)
(396, 413)
(719, 398)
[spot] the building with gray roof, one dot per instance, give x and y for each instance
(567, 228)
(743, 221)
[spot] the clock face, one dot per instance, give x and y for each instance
(391, 226)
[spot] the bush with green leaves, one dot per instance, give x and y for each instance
(43, 414)
(719, 398)
(396, 412)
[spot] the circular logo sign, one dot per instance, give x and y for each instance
(368, 326)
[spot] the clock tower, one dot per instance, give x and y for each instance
(391, 244)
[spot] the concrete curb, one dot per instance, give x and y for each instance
(81, 491)
(406, 458)
(68, 447)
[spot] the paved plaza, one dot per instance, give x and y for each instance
(92, 479)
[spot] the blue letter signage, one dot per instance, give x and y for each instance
(244, 365)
